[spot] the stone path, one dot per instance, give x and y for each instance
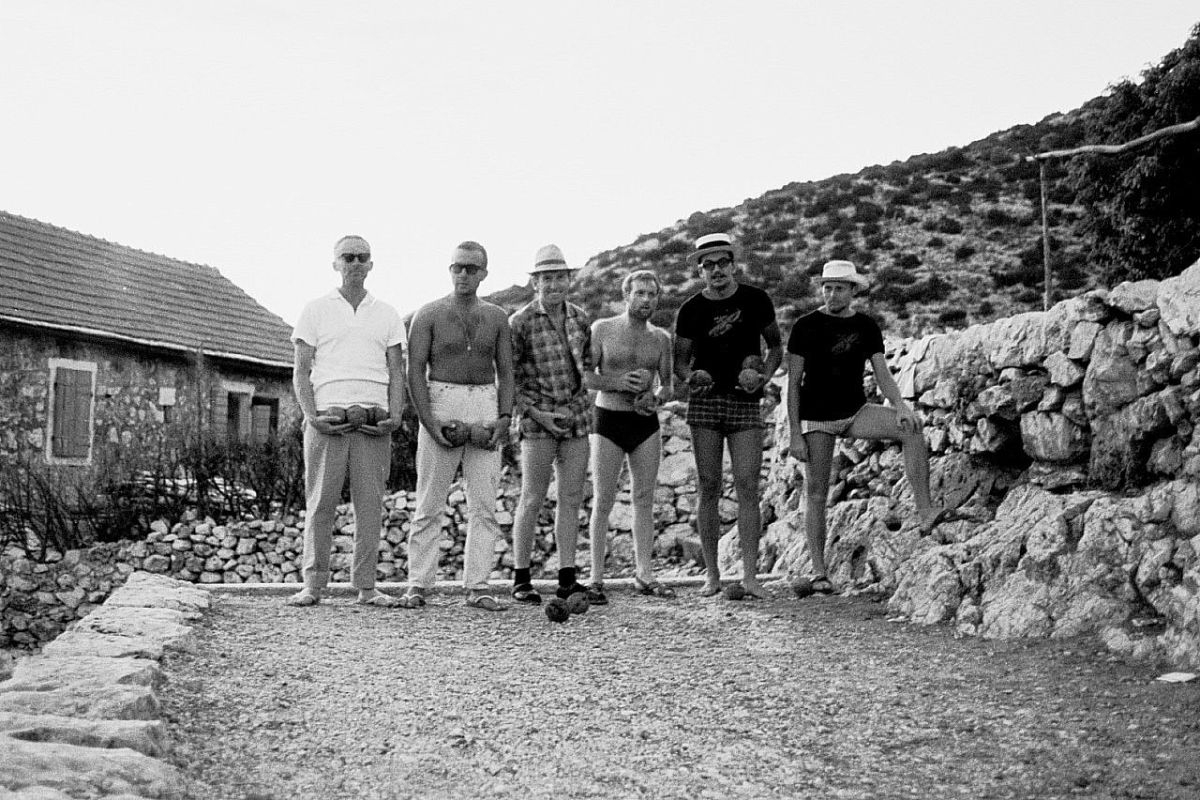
(651, 698)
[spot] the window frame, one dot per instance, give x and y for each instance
(90, 367)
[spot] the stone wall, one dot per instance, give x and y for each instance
(83, 719)
(37, 601)
(1072, 432)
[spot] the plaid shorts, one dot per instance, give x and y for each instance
(724, 414)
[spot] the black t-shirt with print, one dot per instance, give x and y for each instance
(724, 332)
(835, 351)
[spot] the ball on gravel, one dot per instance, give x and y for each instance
(802, 587)
(578, 603)
(556, 610)
(734, 591)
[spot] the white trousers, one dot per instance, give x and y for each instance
(436, 468)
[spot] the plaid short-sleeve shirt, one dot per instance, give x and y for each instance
(549, 369)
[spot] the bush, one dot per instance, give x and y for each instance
(701, 223)
(779, 231)
(952, 316)
(963, 252)
(908, 261)
(865, 211)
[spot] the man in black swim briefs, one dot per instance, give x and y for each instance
(630, 357)
(827, 350)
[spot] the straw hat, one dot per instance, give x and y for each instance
(712, 243)
(842, 271)
(549, 259)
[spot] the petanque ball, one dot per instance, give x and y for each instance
(456, 433)
(480, 435)
(356, 416)
(802, 587)
(556, 610)
(578, 603)
(734, 591)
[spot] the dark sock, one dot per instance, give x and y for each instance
(566, 576)
(521, 575)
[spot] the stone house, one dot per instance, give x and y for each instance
(102, 344)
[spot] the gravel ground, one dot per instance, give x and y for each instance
(693, 697)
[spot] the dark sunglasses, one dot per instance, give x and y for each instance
(470, 269)
(712, 263)
(349, 258)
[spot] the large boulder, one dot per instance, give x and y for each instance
(1179, 302)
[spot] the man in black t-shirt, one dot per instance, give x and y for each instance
(719, 336)
(827, 350)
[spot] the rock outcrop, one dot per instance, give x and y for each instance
(1072, 432)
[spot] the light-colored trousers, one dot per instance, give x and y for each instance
(569, 460)
(436, 467)
(327, 460)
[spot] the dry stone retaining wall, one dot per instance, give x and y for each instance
(37, 601)
(1074, 430)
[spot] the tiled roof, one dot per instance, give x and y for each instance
(51, 277)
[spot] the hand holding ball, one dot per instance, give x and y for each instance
(456, 433)
(700, 382)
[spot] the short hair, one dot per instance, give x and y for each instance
(647, 275)
(474, 247)
(349, 236)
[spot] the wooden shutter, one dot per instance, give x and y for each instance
(72, 434)
(220, 409)
(260, 422)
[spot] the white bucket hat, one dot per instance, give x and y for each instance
(842, 271)
(549, 259)
(712, 243)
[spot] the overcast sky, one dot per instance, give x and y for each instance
(250, 135)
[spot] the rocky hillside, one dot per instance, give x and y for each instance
(948, 239)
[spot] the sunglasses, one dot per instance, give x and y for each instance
(350, 258)
(470, 269)
(712, 263)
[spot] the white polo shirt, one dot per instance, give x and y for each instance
(350, 364)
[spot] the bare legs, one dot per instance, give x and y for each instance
(745, 455)
(871, 422)
(607, 459)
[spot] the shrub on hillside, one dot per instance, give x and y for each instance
(894, 276)
(963, 252)
(867, 212)
(1145, 205)
(952, 316)
(779, 231)
(908, 261)
(700, 223)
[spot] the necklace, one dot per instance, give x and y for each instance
(468, 327)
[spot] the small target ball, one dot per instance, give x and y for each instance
(802, 587)
(556, 610)
(734, 591)
(578, 603)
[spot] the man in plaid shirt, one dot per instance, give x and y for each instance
(552, 351)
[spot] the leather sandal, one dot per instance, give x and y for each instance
(525, 593)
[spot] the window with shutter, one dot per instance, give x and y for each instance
(264, 418)
(72, 395)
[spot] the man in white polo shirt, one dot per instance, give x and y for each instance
(349, 382)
